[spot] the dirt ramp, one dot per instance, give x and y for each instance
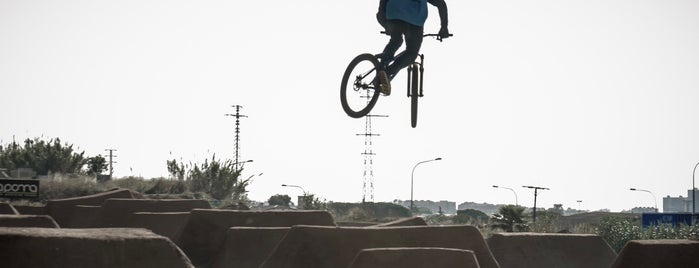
(318, 246)
(203, 235)
(658, 253)
(42, 247)
(43, 221)
(7, 209)
(248, 247)
(167, 224)
(550, 250)
(415, 258)
(84, 216)
(31, 210)
(61, 210)
(413, 221)
(117, 212)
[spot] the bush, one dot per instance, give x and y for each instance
(67, 188)
(377, 212)
(618, 231)
(136, 184)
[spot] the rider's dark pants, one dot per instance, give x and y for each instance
(413, 40)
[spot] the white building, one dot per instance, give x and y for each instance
(680, 204)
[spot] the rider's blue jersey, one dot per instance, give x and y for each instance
(410, 11)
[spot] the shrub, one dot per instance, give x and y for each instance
(618, 231)
(68, 187)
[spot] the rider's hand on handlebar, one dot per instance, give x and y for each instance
(444, 32)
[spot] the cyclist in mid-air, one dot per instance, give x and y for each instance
(405, 18)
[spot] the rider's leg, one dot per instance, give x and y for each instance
(396, 33)
(394, 29)
(413, 41)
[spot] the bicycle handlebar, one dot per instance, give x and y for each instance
(439, 37)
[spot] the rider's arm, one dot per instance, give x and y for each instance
(442, 7)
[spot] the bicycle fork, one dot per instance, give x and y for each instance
(421, 71)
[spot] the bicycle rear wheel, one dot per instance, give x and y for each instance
(359, 89)
(414, 94)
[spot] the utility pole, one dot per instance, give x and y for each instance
(536, 189)
(237, 116)
(111, 161)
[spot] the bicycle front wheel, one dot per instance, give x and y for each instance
(414, 84)
(360, 89)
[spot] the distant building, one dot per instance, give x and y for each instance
(679, 204)
(641, 210)
(489, 209)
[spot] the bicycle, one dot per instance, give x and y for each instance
(365, 89)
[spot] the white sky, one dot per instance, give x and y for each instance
(588, 98)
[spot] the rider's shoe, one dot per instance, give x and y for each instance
(385, 83)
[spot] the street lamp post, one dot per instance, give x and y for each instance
(295, 186)
(412, 176)
(651, 193)
(303, 201)
(513, 191)
(536, 189)
(579, 202)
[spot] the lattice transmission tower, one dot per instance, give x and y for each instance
(237, 116)
(368, 155)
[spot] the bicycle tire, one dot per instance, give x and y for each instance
(414, 94)
(372, 87)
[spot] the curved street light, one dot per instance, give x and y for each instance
(513, 191)
(412, 176)
(651, 193)
(295, 186)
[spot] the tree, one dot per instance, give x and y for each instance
(470, 216)
(96, 165)
(218, 178)
(175, 169)
(42, 156)
(510, 219)
(279, 200)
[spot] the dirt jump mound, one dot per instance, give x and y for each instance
(551, 250)
(61, 210)
(238, 252)
(203, 235)
(6, 208)
(42, 247)
(42, 221)
(415, 258)
(658, 253)
(117, 212)
(318, 246)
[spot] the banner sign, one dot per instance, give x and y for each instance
(19, 188)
